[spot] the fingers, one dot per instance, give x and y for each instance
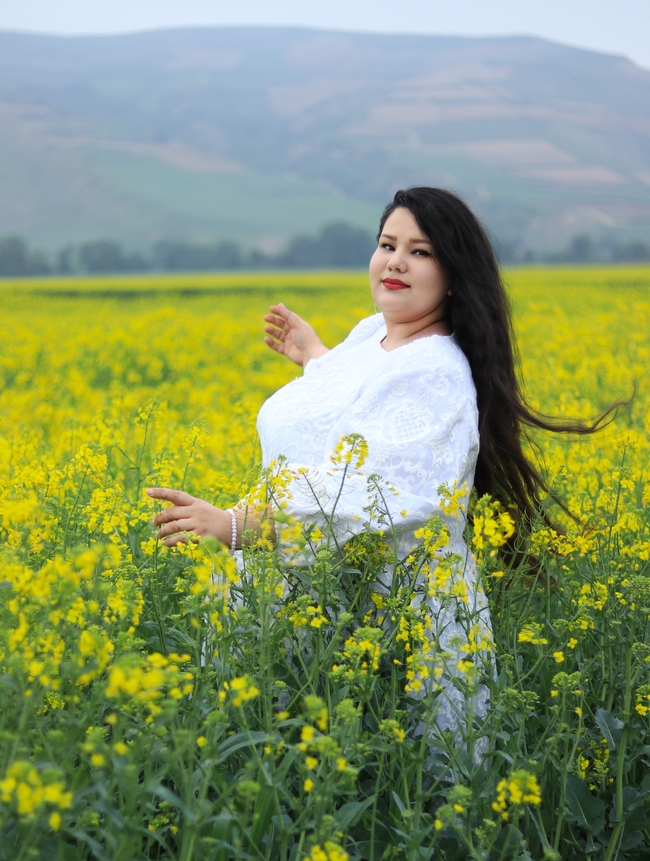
(179, 539)
(281, 310)
(277, 330)
(177, 521)
(173, 527)
(280, 334)
(276, 320)
(274, 345)
(171, 520)
(178, 497)
(169, 514)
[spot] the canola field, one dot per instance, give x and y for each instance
(160, 704)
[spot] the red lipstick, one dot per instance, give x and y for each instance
(394, 284)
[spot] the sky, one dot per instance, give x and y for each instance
(613, 26)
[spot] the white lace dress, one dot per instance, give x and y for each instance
(416, 408)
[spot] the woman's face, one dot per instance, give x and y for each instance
(406, 282)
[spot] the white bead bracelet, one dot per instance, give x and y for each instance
(233, 524)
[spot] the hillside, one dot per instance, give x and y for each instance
(256, 134)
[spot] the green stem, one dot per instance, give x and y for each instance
(380, 769)
(72, 511)
(620, 760)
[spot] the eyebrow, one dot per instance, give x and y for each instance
(411, 241)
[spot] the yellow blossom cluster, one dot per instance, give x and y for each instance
(594, 767)
(329, 851)
(369, 551)
(518, 790)
(316, 711)
(453, 500)
(531, 633)
(393, 730)
(642, 705)
(304, 612)
(493, 526)
(322, 755)
(149, 681)
(60, 615)
(414, 633)
(434, 535)
(350, 451)
(30, 791)
(240, 690)
(360, 656)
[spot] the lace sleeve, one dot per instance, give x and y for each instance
(363, 330)
(419, 420)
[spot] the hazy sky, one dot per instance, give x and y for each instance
(616, 26)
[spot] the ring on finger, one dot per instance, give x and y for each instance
(169, 528)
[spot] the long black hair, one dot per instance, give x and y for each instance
(480, 318)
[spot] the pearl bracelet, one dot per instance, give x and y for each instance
(233, 524)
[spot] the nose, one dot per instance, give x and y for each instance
(396, 262)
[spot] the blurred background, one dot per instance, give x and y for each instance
(203, 136)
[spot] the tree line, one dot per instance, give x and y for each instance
(337, 246)
(581, 249)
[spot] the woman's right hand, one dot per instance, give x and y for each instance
(290, 335)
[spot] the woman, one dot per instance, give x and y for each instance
(430, 383)
(399, 379)
(404, 379)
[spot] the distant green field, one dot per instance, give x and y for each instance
(198, 282)
(530, 280)
(238, 206)
(137, 199)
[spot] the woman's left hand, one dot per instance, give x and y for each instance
(189, 514)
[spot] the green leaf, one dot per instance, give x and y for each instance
(450, 848)
(644, 788)
(237, 742)
(634, 817)
(508, 840)
(96, 848)
(262, 813)
(581, 806)
(49, 850)
(629, 841)
(398, 802)
(610, 726)
(370, 852)
(222, 825)
(348, 814)
(630, 809)
(505, 756)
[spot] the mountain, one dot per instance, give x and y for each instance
(256, 134)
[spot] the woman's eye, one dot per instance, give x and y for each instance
(422, 252)
(386, 246)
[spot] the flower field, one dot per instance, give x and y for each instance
(168, 704)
